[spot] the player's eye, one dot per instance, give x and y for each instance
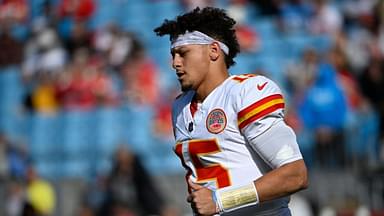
(183, 53)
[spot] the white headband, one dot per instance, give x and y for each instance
(196, 37)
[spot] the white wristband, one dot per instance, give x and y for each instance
(232, 198)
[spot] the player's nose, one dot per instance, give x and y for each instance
(176, 62)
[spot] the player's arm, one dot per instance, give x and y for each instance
(262, 124)
(279, 148)
(282, 181)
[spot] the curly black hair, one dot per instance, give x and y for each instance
(210, 21)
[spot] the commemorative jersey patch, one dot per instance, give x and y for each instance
(216, 121)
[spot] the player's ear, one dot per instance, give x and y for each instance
(214, 51)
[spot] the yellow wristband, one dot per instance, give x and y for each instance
(233, 198)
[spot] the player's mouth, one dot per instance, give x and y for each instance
(180, 75)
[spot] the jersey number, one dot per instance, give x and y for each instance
(205, 172)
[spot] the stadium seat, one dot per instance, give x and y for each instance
(76, 168)
(162, 159)
(296, 44)
(362, 140)
(49, 169)
(165, 165)
(244, 64)
(45, 137)
(104, 14)
(78, 132)
(265, 27)
(274, 47)
(321, 42)
(137, 127)
(161, 10)
(107, 131)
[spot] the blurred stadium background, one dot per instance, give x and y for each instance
(85, 86)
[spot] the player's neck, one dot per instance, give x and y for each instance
(212, 81)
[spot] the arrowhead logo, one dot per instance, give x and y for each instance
(260, 87)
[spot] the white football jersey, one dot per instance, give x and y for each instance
(214, 143)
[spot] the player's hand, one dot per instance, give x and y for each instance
(201, 200)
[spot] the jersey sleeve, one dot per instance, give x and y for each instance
(277, 145)
(261, 121)
(259, 105)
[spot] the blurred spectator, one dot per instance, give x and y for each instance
(15, 198)
(79, 10)
(43, 59)
(238, 10)
(162, 125)
(192, 4)
(293, 120)
(379, 25)
(79, 38)
(348, 83)
(267, 7)
(248, 39)
(13, 157)
(301, 74)
(299, 77)
(300, 206)
(3, 156)
(18, 159)
(357, 49)
(43, 53)
(86, 211)
(85, 84)
(71, 89)
(13, 11)
(45, 13)
(323, 110)
(95, 197)
(358, 12)
(116, 45)
(378, 12)
(140, 77)
(372, 85)
(365, 37)
(101, 83)
(360, 114)
(326, 18)
(71, 13)
(41, 196)
(44, 97)
(130, 189)
(11, 49)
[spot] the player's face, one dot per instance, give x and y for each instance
(191, 63)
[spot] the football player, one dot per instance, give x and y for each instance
(240, 156)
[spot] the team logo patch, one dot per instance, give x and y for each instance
(216, 121)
